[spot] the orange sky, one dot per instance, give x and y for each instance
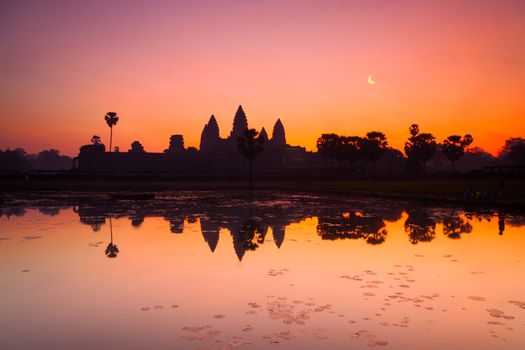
(454, 67)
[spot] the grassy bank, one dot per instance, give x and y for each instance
(429, 189)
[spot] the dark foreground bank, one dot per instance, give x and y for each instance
(488, 193)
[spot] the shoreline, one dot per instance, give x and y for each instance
(432, 192)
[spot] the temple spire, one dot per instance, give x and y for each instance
(210, 135)
(263, 135)
(278, 135)
(240, 124)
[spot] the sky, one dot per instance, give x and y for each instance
(453, 67)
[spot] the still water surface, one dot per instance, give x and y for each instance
(224, 271)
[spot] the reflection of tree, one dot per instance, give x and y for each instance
(95, 222)
(392, 213)
(13, 211)
(176, 221)
(92, 216)
(420, 226)
(376, 237)
(352, 225)
(137, 220)
(112, 249)
(249, 237)
(455, 225)
(501, 223)
(49, 211)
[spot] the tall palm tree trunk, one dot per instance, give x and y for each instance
(111, 230)
(110, 137)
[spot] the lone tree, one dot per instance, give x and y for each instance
(250, 144)
(111, 119)
(420, 147)
(373, 146)
(96, 140)
(329, 146)
(454, 147)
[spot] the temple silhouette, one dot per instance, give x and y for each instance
(216, 154)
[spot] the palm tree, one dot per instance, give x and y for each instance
(250, 145)
(420, 147)
(111, 119)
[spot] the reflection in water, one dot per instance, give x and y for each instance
(248, 220)
(325, 287)
(501, 222)
(420, 226)
(352, 225)
(454, 226)
(112, 249)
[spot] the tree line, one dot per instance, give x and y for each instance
(19, 159)
(419, 149)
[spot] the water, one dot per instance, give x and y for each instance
(223, 271)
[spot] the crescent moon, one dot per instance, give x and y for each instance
(371, 80)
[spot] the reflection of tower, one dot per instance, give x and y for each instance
(238, 246)
(278, 231)
(210, 232)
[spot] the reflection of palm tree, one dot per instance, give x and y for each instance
(111, 119)
(250, 146)
(112, 249)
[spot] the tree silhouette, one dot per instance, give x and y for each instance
(136, 147)
(96, 140)
(350, 148)
(454, 147)
(373, 146)
(111, 119)
(329, 146)
(454, 225)
(513, 150)
(250, 146)
(420, 147)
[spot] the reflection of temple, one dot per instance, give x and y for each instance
(216, 154)
(249, 220)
